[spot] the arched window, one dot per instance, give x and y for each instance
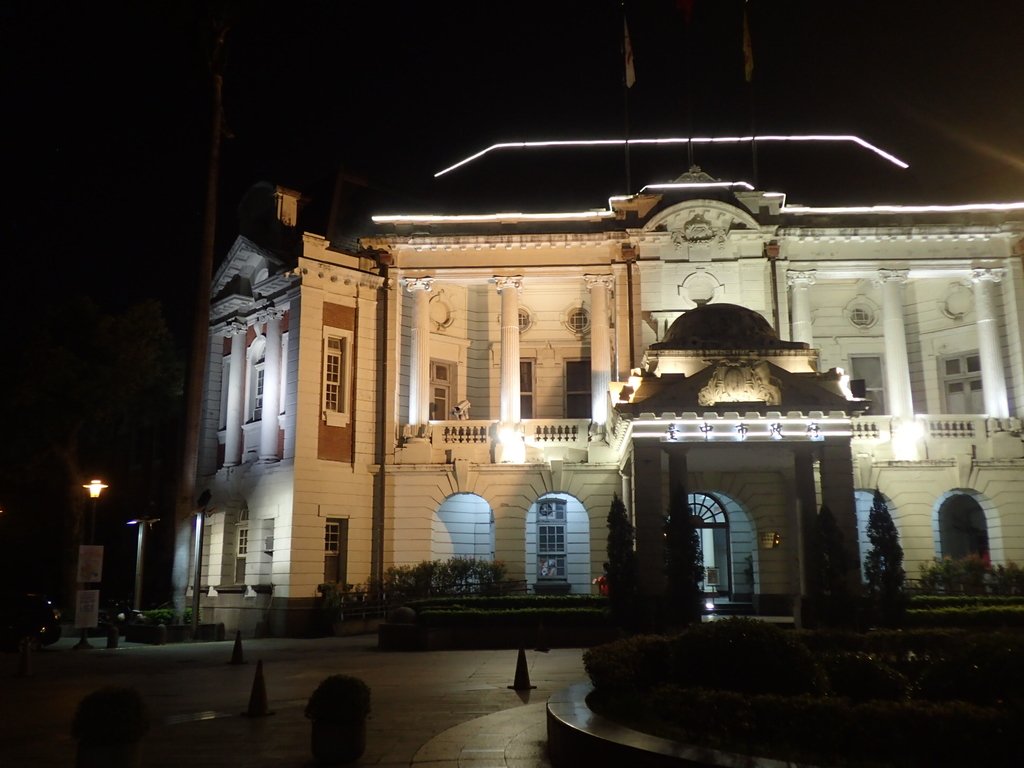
(963, 530)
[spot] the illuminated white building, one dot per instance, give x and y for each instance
(484, 385)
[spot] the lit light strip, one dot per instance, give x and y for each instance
(469, 218)
(699, 185)
(801, 209)
(693, 140)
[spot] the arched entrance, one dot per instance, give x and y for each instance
(712, 526)
(963, 528)
(463, 527)
(558, 545)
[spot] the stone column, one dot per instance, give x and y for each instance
(837, 493)
(600, 347)
(993, 378)
(650, 470)
(419, 350)
(800, 300)
(269, 429)
(236, 384)
(508, 288)
(897, 366)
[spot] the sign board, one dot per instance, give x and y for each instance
(90, 564)
(87, 608)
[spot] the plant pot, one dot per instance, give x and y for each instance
(125, 754)
(338, 743)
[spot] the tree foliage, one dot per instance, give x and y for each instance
(84, 385)
(684, 565)
(620, 570)
(832, 597)
(883, 565)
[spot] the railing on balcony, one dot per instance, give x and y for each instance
(477, 432)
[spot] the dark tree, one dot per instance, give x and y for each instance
(684, 565)
(620, 570)
(883, 566)
(88, 384)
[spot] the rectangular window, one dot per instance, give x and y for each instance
(257, 394)
(578, 404)
(868, 368)
(336, 550)
(241, 552)
(442, 379)
(337, 375)
(551, 539)
(961, 384)
(526, 389)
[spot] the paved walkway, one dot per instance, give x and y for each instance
(441, 709)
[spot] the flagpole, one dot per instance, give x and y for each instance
(748, 72)
(628, 78)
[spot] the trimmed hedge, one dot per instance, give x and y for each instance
(967, 616)
(805, 728)
(861, 677)
(518, 617)
(922, 602)
(631, 665)
(509, 602)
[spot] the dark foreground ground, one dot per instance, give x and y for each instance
(439, 709)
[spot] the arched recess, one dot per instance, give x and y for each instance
(863, 500)
(728, 545)
(965, 523)
(463, 526)
(558, 545)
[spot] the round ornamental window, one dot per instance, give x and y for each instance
(578, 321)
(861, 313)
(525, 321)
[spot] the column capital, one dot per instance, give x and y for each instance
(599, 281)
(269, 313)
(501, 283)
(988, 275)
(806, 277)
(236, 328)
(413, 284)
(898, 276)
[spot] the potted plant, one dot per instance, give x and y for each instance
(109, 725)
(338, 709)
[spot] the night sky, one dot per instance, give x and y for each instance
(107, 111)
(107, 115)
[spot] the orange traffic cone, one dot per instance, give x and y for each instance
(522, 681)
(236, 653)
(258, 696)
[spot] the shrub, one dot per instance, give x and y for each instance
(111, 715)
(987, 670)
(744, 655)
(861, 677)
(633, 664)
(454, 576)
(165, 616)
(339, 699)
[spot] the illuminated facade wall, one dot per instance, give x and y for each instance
(434, 410)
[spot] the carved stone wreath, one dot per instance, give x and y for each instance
(741, 382)
(698, 232)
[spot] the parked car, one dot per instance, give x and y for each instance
(28, 615)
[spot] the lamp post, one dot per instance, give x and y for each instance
(202, 503)
(89, 565)
(95, 488)
(144, 524)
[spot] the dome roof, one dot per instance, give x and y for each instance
(723, 326)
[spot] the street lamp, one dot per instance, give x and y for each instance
(88, 566)
(144, 523)
(95, 488)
